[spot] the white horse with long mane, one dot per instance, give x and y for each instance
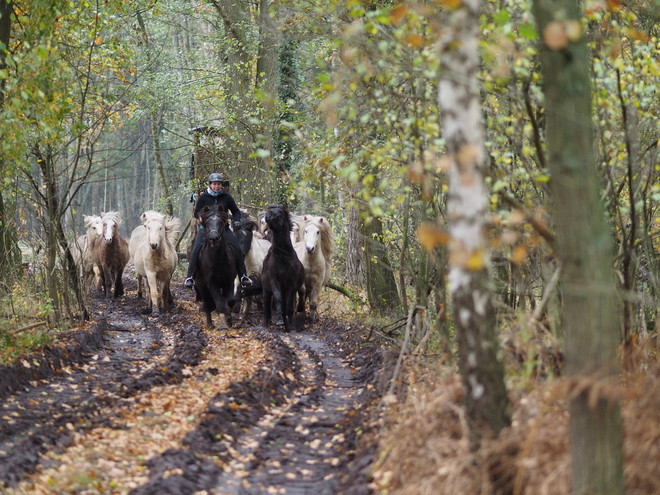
(81, 250)
(152, 248)
(315, 251)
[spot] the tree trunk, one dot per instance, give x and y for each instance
(479, 361)
(10, 255)
(156, 123)
(381, 286)
(584, 247)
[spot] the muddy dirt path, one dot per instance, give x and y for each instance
(145, 405)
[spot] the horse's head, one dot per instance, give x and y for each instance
(278, 219)
(214, 219)
(155, 232)
(245, 233)
(154, 223)
(311, 237)
(94, 225)
(111, 221)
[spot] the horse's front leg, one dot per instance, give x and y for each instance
(314, 302)
(107, 282)
(279, 306)
(152, 281)
(168, 300)
(221, 307)
(289, 305)
(301, 300)
(119, 284)
(267, 297)
(139, 281)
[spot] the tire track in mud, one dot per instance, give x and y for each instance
(300, 450)
(289, 426)
(288, 429)
(81, 394)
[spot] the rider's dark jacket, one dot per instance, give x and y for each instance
(223, 198)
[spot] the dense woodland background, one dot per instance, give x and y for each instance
(333, 107)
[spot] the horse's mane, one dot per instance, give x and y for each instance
(90, 220)
(152, 215)
(111, 215)
(284, 209)
(327, 236)
(171, 224)
(249, 223)
(172, 227)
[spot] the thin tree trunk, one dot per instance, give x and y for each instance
(584, 248)
(381, 286)
(156, 122)
(479, 360)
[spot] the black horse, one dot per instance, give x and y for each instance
(216, 268)
(283, 273)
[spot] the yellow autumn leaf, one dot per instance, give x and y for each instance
(98, 40)
(555, 36)
(444, 163)
(519, 254)
(432, 236)
(573, 30)
(414, 40)
(468, 156)
(415, 172)
(450, 4)
(476, 261)
(517, 217)
(398, 13)
(637, 35)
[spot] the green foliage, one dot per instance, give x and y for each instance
(354, 121)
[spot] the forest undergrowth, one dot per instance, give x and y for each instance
(424, 443)
(419, 440)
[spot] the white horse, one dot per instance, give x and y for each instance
(315, 252)
(255, 248)
(81, 250)
(152, 248)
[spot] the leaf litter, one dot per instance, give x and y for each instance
(157, 405)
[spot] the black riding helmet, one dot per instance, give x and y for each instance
(215, 177)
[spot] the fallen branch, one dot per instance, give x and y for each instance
(346, 292)
(16, 331)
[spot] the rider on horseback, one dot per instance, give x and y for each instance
(215, 194)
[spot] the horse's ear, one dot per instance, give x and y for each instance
(143, 217)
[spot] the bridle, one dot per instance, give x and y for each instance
(209, 232)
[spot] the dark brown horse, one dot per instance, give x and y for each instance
(283, 273)
(216, 268)
(110, 253)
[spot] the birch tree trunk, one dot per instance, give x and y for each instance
(584, 247)
(481, 368)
